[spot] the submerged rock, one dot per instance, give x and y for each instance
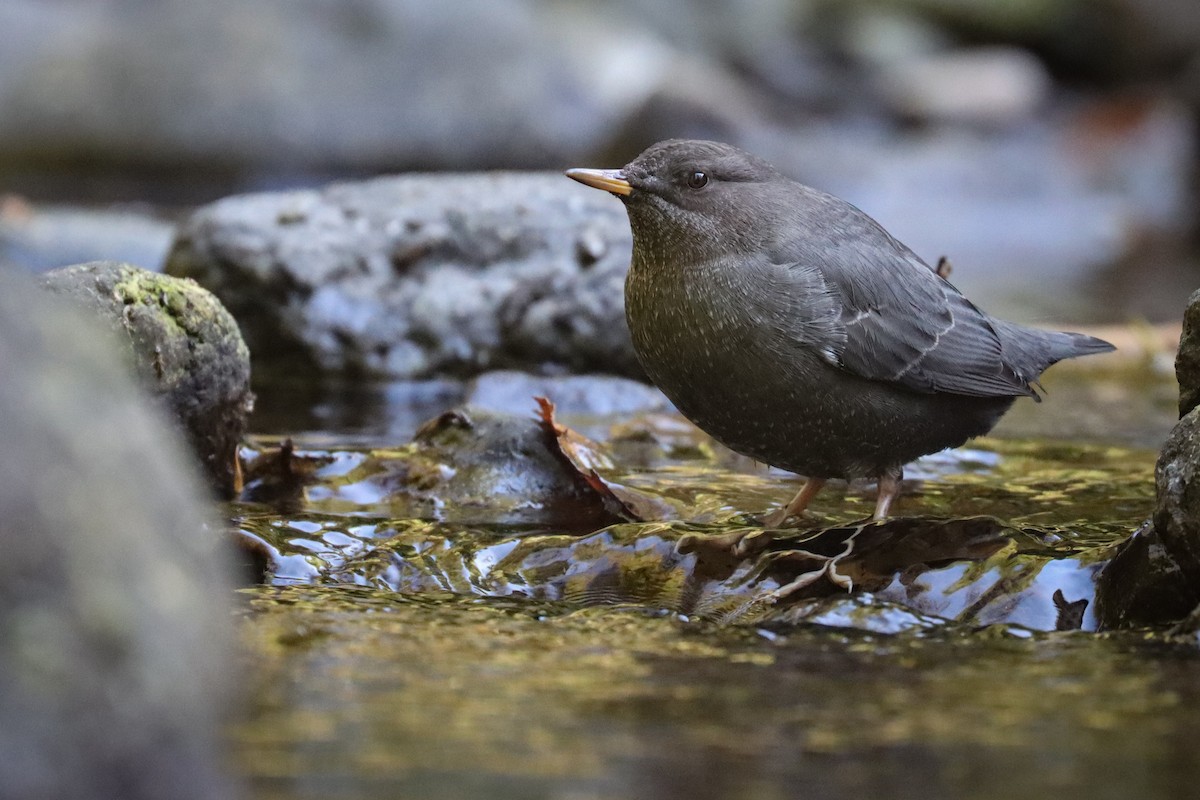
(421, 275)
(114, 674)
(1142, 584)
(466, 465)
(184, 347)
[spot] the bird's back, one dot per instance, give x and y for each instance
(900, 321)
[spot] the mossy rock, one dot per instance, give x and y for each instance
(185, 348)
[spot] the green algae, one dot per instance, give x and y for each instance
(187, 307)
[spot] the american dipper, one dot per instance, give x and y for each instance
(794, 329)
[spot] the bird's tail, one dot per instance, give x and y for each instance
(1030, 351)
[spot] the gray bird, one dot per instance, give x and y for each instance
(794, 329)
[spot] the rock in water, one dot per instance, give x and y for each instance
(185, 347)
(419, 276)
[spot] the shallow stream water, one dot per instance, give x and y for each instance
(417, 650)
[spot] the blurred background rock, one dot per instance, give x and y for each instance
(1046, 146)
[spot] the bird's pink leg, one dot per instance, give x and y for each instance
(889, 490)
(798, 504)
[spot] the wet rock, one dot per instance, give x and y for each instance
(1177, 481)
(467, 465)
(470, 461)
(184, 347)
(1154, 577)
(1187, 361)
(419, 276)
(1142, 584)
(114, 673)
(45, 237)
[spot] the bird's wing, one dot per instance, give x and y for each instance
(899, 321)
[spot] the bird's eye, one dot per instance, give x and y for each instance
(697, 180)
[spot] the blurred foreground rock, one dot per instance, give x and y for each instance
(420, 276)
(113, 671)
(184, 347)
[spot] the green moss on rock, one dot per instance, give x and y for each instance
(184, 346)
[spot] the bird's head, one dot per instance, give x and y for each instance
(692, 197)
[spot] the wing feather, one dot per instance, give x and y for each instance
(899, 321)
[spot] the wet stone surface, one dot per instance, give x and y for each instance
(419, 276)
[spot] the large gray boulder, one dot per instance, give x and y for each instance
(420, 275)
(114, 596)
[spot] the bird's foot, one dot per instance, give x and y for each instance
(797, 505)
(889, 490)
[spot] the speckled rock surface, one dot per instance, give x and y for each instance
(421, 275)
(184, 347)
(114, 594)
(1177, 481)
(1187, 361)
(1154, 577)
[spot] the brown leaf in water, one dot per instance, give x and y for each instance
(584, 456)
